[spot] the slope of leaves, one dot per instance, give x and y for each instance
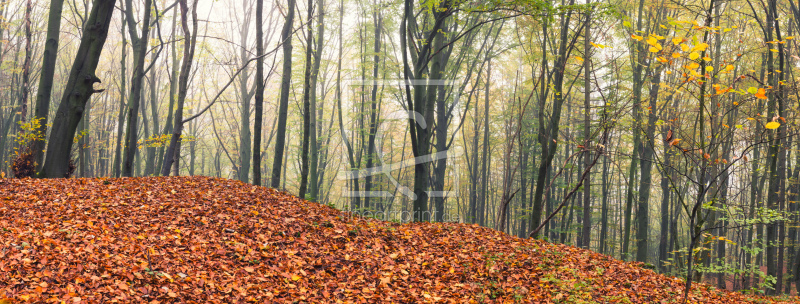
(200, 240)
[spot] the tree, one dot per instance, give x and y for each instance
(45, 90)
(78, 90)
(172, 155)
(283, 103)
(140, 45)
(259, 98)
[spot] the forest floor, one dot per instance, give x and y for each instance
(199, 239)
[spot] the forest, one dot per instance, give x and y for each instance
(658, 132)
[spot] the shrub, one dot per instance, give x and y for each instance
(24, 165)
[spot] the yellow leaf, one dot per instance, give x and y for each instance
(729, 67)
(295, 277)
(707, 58)
(752, 90)
(700, 47)
(676, 55)
(772, 125)
(684, 47)
(709, 69)
(637, 37)
(694, 56)
(579, 58)
(677, 40)
(653, 49)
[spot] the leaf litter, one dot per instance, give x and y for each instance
(207, 240)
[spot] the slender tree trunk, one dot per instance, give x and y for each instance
(548, 136)
(122, 102)
(283, 103)
(150, 142)
(604, 208)
(139, 50)
(45, 90)
(304, 167)
(26, 65)
(313, 141)
(586, 228)
(259, 99)
(485, 159)
(245, 95)
(172, 155)
(774, 103)
(173, 88)
(377, 20)
(642, 214)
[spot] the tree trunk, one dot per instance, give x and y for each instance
(78, 90)
(122, 102)
(245, 95)
(313, 141)
(306, 107)
(485, 156)
(172, 154)
(45, 90)
(586, 228)
(283, 104)
(139, 50)
(259, 99)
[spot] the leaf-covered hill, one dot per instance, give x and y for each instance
(199, 240)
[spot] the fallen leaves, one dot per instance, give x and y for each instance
(205, 240)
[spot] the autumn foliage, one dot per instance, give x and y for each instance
(24, 164)
(200, 240)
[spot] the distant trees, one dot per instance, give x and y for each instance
(635, 129)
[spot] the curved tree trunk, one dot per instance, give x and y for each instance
(78, 90)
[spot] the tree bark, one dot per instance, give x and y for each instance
(45, 90)
(78, 90)
(313, 141)
(586, 228)
(283, 103)
(139, 50)
(259, 98)
(172, 155)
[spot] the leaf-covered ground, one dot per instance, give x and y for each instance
(201, 240)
